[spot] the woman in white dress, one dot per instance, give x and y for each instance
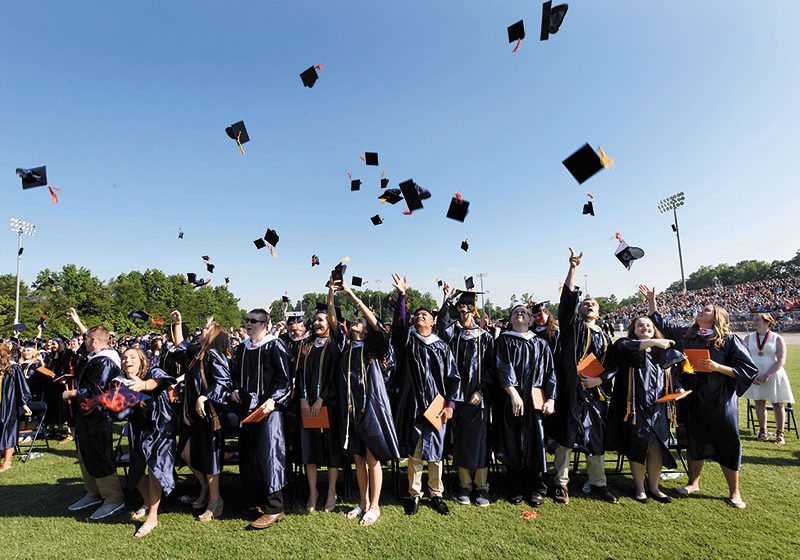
(768, 351)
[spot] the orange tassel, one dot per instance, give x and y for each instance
(604, 159)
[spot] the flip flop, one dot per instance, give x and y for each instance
(353, 513)
(139, 513)
(738, 504)
(370, 517)
(143, 530)
(684, 492)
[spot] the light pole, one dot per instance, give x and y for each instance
(20, 227)
(378, 282)
(673, 203)
(481, 276)
(586, 284)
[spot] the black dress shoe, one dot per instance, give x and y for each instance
(660, 499)
(536, 500)
(603, 493)
(412, 505)
(641, 499)
(516, 500)
(438, 505)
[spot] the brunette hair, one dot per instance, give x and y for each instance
(142, 361)
(768, 319)
(215, 338)
(5, 359)
(632, 328)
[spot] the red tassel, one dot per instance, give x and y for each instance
(53, 195)
(349, 175)
(618, 236)
(408, 212)
(272, 252)
(362, 158)
(516, 48)
(458, 197)
(590, 195)
(319, 67)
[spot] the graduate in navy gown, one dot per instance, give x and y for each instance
(582, 405)
(367, 426)
(153, 427)
(14, 393)
(473, 351)
(293, 332)
(207, 389)
(638, 427)
(712, 420)
(426, 368)
(315, 383)
(260, 371)
(524, 363)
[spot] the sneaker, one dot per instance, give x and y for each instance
(438, 505)
(561, 495)
(412, 505)
(604, 494)
(85, 502)
(462, 496)
(106, 510)
(482, 498)
(536, 500)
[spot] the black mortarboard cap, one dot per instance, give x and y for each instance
(376, 220)
(357, 281)
(469, 283)
(180, 233)
(355, 185)
(458, 209)
(293, 317)
(412, 196)
(516, 32)
(259, 243)
(322, 307)
(191, 277)
(627, 254)
(536, 307)
(584, 163)
(20, 251)
(285, 299)
(309, 77)
(210, 267)
(588, 208)
(238, 131)
(35, 177)
(465, 245)
(552, 17)
(392, 196)
(371, 158)
(227, 280)
(468, 297)
(271, 237)
(20, 327)
(206, 258)
(384, 182)
(141, 315)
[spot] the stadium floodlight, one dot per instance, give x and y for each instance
(20, 227)
(673, 203)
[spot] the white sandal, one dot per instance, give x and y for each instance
(370, 517)
(144, 530)
(139, 513)
(353, 513)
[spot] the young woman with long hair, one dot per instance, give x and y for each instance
(14, 393)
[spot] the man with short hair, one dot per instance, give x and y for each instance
(582, 401)
(425, 369)
(260, 370)
(94, 426)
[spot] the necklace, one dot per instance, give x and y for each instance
(760, 344)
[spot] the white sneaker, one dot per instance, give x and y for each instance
(106, 510)
(83, 503)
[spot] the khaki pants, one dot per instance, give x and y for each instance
(415, 474)
(480, 478)
(595, 467)
(107, 487)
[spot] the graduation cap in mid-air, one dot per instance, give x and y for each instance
(376, 220)
(469, 282)
(516, 33)
(310, 76)
(271, 237)
(357, 281)
(585, 162)
(180, 233)
(195, 281)
(238, 132)
(227, 281)
(384, 182)
(552, 17)
(392, 196)
(210, 267)
(140, 315)
(314, 261)
(458, 208)
(355, 185)
(588, 208)
(371, 158)
(465, 245)
(627, 254)
(34, 177)
(413, 194)
(259, 243)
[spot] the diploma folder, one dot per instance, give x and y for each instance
(257, 416)
(322, 422)
(538, 398)
(44, 371)
(694, 356)
(674, 396)
(433, 412)
(590, 366)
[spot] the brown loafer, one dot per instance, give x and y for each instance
(604, 494)
(561, 495)
(267, 520)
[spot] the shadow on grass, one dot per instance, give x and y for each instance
(780, 461)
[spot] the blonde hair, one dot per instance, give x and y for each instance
(722, 326)
(142, 361)
(5, 359)
(768, 319)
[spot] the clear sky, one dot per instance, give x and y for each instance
(126, 103)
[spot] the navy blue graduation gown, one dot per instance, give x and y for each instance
(634, 418)
(524, 363)
(93, 423)
(712, 410)
(263, 372)
(14, 392)
(209, 377)
(316, 377)
(425, 368)
(153, 431)
(291, 413)
(37, 382)
(580, 415)
(473, 351)
(365, 413)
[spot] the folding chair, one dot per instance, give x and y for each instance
(791, 422)
(34, 431)
(121, 457)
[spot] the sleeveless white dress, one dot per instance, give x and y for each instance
(777, 389)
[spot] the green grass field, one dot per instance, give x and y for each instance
(34, 522)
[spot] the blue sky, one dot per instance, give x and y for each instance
(126, 103)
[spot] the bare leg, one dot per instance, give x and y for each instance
(637, 470)
(732, 478)
(761, 415)
(143, 486)
(375, 483)
(330, 501)
(311, 475)
(186, 455)
(363, 485)
(155, 491)
(654, 463)
(695, 468)
(780, 416)
(7, 454)
(213, 487)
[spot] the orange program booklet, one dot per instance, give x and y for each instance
(694, 357)
(538, 398)
(317, 422)
(590, 366)
(257, 416)
(432, 414)
(44, 371)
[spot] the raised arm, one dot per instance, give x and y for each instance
(399, 323)
(73, 314)
(574, 263)
(365, 311)
(650, 297)
(333, 321)
(177, 327)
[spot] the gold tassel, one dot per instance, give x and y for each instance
(604, 159)
(239, 142)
